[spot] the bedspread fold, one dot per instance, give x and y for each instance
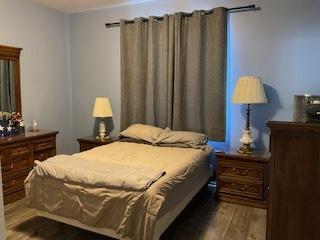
(98, 173)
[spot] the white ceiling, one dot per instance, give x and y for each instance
(69, 6)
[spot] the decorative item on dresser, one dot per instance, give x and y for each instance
(242, 178)
(293, 206)
(87, 143)
(17, 153)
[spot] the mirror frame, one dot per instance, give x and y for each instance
(13, 54)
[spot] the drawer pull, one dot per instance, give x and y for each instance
(8, 168)
(13, 182)
(243, 188)
(242, 173)
(21, 150)
(44, 145)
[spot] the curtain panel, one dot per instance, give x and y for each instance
(173, 72)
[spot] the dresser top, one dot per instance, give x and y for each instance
(256, 156)
(26, 136)
(294, 126)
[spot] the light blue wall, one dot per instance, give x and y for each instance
(280, 43)
(44, 64)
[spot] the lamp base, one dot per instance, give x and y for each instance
(102, 138)
(246, 141)
(102, 131)
(246, 149)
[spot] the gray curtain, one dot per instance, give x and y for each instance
(173, 72)
(7, 88)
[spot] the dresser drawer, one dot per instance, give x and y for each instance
(16, 151)
(15, 166)
(14, 184)
(241, 171)
(43, 144)
(241, 189)
(43, 155)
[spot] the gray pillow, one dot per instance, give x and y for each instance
(142, 132)
(182, 138)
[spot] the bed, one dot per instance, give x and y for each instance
(156, 185)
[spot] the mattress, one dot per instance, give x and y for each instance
(129, 214)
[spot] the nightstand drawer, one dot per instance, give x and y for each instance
(87, 146)
(241, 189)
(90, 142)
(241, 171)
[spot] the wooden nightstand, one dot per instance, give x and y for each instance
(87, 143)
(243, 179)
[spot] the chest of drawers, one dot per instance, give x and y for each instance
(17, 154)
(242, 179)
(294, 196)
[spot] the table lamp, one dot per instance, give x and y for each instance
(249, 90)
(101, 110)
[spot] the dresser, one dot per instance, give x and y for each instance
(87, 143)
(242, 178)
(294, 197)
(17, 154)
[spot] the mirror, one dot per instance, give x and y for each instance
(10, 96)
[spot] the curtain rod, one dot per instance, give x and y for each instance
(235, 9)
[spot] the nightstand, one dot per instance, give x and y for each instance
(87, 143)
(242, 178)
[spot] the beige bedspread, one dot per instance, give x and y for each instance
(97, 173)
(132, 213)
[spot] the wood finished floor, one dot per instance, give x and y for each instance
(203, 219)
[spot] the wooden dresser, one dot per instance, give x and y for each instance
(294, 197)
(17, 153)
(242, 179)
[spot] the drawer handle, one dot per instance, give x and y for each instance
(8, 168)
(13, 182)
(243, 188)
(44, 145)
(242, 173)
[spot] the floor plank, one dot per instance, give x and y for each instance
(203, 219)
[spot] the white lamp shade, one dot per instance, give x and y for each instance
(102, 107)
(249, 90)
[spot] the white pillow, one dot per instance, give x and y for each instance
(142, 132)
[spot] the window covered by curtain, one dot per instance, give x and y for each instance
(173, 72)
